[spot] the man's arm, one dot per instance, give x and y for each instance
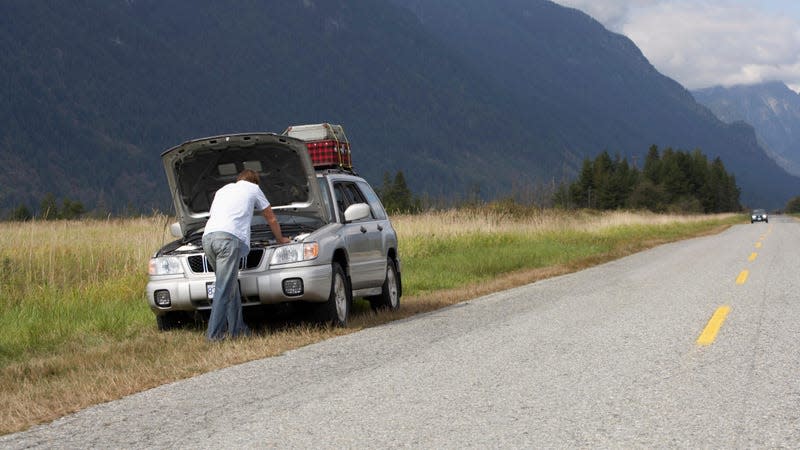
(274, 225)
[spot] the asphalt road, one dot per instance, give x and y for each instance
(607, 357)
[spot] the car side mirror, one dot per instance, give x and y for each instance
(175, 230)
(356, 212)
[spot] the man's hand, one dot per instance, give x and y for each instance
(272, 221)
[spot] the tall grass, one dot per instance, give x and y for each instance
(75, 328)
(453, 248)
(72, 281)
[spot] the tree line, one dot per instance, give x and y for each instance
(396, 196)
(793, 206)
(49, 209)
(671, 180)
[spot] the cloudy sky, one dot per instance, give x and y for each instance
(702, 43)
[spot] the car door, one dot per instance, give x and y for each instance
(386, 239)
(362, 239)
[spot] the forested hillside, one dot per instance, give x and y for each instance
(463, 96)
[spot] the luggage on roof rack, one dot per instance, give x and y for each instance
(327, 144)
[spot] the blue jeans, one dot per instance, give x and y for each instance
(223, 251)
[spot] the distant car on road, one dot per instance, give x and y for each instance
(759, 215)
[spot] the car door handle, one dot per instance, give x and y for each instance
(363, 230)
(380, 228)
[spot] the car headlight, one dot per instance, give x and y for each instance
(295, 253)
(165, 265)
(754, 216)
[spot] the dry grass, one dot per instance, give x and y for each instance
(458, 222)
(48, 387)
(98, 363)
(62, 253)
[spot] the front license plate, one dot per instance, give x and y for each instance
(211, 288)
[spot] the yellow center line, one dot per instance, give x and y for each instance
(758, 244)
(752, 256)
(742, 276)
(709, 333)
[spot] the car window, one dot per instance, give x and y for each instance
(339, 198)
(353, 194)
(326, 199)
(372, 198)
(346, 194)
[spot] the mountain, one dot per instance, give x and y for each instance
(771, 108)
(459, 94)
(589, 89)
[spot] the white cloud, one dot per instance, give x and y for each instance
(706, 43)
(612, 14)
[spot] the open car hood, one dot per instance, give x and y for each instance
(197, 168)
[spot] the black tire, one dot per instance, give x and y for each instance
(389, 298)
(171, 320)
(336, 310)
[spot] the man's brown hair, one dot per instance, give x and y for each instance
(248, 175)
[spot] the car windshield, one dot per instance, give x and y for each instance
(759, 211)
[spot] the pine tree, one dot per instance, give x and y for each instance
(649, 196)
(386, 191)
(652, 166)
(581, 190)
(71, 209)
(602, 172)
(403, 195)
(793, 206)
(48, 209)
(21, 214)
(395, 194)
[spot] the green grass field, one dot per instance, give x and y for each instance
(72, 283)
(75, 328)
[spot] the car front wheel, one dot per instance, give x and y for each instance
(336, 310)
(390, 291)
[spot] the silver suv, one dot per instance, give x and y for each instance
(343, 244)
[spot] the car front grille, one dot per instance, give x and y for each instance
(199, 263)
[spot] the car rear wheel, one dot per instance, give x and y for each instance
(389, 297)
(336, 310)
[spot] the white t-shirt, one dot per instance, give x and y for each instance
(232, 209)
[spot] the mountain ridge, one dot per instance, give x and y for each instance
(772, 108)
(506, 96)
